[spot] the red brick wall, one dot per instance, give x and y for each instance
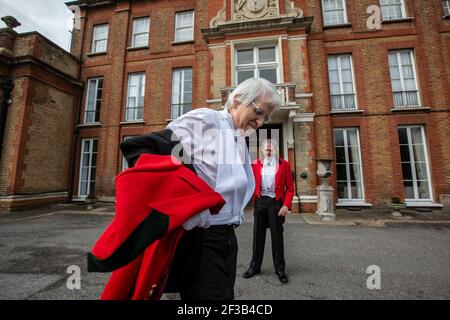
(156, 61)
(428, 35)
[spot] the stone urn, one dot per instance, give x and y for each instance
(325, 201)
(91, 200)
(395, 204)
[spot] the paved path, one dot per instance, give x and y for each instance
(323, 261)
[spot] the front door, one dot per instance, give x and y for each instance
(268, 131)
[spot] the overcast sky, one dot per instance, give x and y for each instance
(51, 18)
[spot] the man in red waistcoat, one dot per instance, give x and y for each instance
(273, 199)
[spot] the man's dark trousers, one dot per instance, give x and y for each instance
(266, 215)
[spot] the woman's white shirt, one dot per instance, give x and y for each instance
(220, 157)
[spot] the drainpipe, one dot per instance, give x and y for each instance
(7, 87)
(76, 131)
(295, 171)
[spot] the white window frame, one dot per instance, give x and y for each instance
(95, 41)
(413, 166)
(446, 7)
(177, 27)
(347, 167)
(256, 66)
(89, 108)
(341, 82)
(183, 106)
(344, 6)
(89, 167)
(136, 107)
(402, 6)
(124, 160)
(402, 81)
(135, 34)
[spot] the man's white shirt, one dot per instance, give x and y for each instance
(268, 175)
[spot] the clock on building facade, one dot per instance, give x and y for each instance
(254, 9)
(256, 5)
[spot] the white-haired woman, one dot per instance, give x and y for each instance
(220, 158)
(214, 142)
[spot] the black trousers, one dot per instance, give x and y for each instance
(215, 251)
(266, 216)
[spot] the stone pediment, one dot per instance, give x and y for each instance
(254, 9)
(250, 10)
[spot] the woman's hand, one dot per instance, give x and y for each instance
(283, 211)
(201, 220)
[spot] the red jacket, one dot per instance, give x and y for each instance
(284, 183)
(153, 200)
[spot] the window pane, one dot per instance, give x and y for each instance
(419, 180)
(94, 158)
(353, 154)
(348, 166)
(333, 12)
(87, 166)
(421, 171)
(342, 190)
(391, 9)
(99, 38)
(181, 92)
(269, 74)
(408, 189)
(423, 188)
(140, 114)
(185, 19)
(419, 153)
(341, 172)
(406, 171)
(356, 192)
(332, 63)
(185, 34)
(267, 55)
(393, 59)
(338, 137)
(91, 95)
(340, 155)
(416, 135)
(403, 79)
(184, 23)
(446, 4)
(244, 75)
(402, 136)
(342, 88)
(335, 88)
(83, 189)
(404, 153)
(141, 40)
(245, 56)
(141, 25)
(136, 95)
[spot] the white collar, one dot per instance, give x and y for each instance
(269, 161)
(227, 115)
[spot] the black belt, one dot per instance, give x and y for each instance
(224, 226)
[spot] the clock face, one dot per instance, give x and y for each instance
(255, 5)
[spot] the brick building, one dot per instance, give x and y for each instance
(363, 82)
(382, 99)
(38, 100)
